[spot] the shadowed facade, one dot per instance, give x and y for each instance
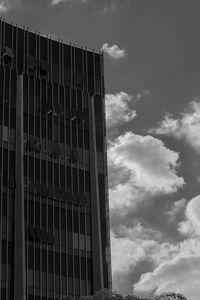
(54, 217)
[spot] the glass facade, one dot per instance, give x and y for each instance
(54, 220)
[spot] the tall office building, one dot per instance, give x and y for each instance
(54, 221)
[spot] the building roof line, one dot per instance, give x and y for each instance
(51, 36)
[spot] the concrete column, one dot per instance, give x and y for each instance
(98, 281)
(19, 259)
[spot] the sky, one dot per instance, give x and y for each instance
(152, 78)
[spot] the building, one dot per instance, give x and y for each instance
(54, 221)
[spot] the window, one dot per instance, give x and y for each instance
(8, 35)
(83, 268)
(75, 238)
(30, 277)
(55, 52)
(88, 224)
(32, 43)
(56, 174)
(62, 176)
(56, 217)
(63, 219)
(89, 268)
(37, 213)
(88, 243)
(87, 181)
(82, 242)
(70, 265)
(44, 260)
(90, 67)
(76, 267)
(78, 59)
(5, 134)
(69, 220)
(82, 223)
(44, 68)
(4, 252)
(30, 257)
(75, 219)
(99, 142)
(37, 259)
(44, 216)
(43, 48)
(50, 216)
(63, 264)
(57, 263)
(50, 261)
(30, 208)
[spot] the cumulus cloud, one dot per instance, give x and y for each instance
(113, 51)
(176, 210)
(186, 127)
(118, 109)
(125, 263)
(4, 6)
(191, 225)
(144, 244)
(176, 266)
(135, 251)
(152, 167)
(181, 275)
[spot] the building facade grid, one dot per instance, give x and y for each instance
(54, 199)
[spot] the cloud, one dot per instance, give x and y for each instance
(54, 2)
(176, 210)
(118, 111)
(177, 266)
(135, 251)
(191, 225)
(113, 51)
(163, 263)
(4, 6)
(181, 275)
(109, 8)
(151, 167)
(124, 265)
(186, 127)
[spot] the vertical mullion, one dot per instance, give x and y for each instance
(72, 179)
(83, 152)
(1, 190)
(1, 22)
(27, 198)
(59, 62)
(46, 162)
(28, 182)
(59, 165)
(39, 198)
(62, 64)
(24, 52)
(4, 107)
(8, 175)
(12, 47)
(33, 179)
(65, 203)
(87, 92)
(3, 39)
(16, 57)
(27, 52)
(52, 162)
